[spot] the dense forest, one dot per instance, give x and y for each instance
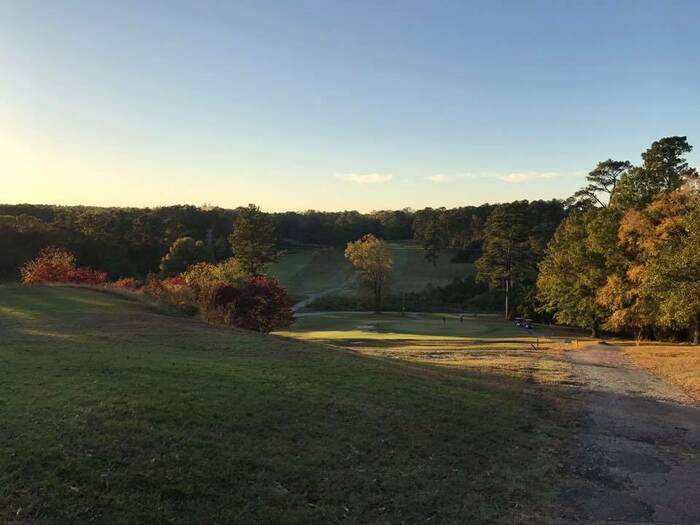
(132, 241)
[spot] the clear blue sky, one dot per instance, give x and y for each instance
(335, 105)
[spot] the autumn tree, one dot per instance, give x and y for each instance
(253, 240)
(651, 239)
(373, 261)
(631, 247)
(674, 278)
(184, 252)
(573, 271)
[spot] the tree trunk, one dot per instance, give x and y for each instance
(695, 331)
(595, 329)
(377, 297)
(507, 312)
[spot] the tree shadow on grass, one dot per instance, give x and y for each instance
(327, 437)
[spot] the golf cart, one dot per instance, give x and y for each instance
(524, 322)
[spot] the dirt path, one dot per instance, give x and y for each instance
(311, 297)
(636, 457)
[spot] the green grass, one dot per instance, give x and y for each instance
(113, 413)
(412, 273)
(419, 324)
(306, 271)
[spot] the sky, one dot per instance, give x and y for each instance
(334, 105)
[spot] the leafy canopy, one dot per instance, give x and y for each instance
(373, 261)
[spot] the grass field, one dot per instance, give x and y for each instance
(679, 364)
(306, 271)
(114, 413)
(484, 344)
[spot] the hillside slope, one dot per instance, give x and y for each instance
(310, 270)
(114, 413)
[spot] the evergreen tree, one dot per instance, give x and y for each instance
(253, 240)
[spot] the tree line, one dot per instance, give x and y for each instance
(132, 241)
(622, 254)
(627, 257)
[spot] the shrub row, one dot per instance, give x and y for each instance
(220, 293)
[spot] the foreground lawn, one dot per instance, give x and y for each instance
(112, 413)
(679, 364)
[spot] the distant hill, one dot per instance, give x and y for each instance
(307, 271)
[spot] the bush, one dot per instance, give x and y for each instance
(173, 282)
(153, 286)
(172, 291)
(257, 303)
(85, 275)
(206, 279)
(52, 265)
(222, 294)
(56, 265)
(261, 305)
(127, 283)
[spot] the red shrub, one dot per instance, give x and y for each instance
(56, 265)
(172, 291)
(52, 265)
(223, 294)
(126, 283)
(260, 305)
(153, 286)
(85, 275)
(172, 282)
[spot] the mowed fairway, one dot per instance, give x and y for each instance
(308, 271)
(115, 413)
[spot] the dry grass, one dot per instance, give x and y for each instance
(542, 364)
(483, 345)
(679, 364)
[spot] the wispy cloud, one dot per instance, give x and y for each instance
(365, 178)
(440, 178)
(528, 176)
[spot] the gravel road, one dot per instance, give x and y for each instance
(636, 453)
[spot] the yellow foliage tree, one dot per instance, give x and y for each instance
(643, 234)
(373, 261)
